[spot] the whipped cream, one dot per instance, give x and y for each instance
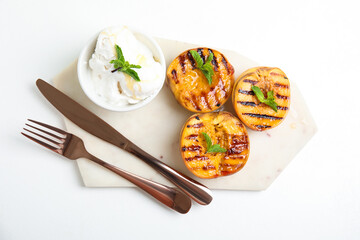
(118, 88)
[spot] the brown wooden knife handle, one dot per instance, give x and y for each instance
(192, 188)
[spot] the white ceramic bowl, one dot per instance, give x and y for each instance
(84, 71)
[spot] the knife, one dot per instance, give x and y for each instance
(99, 128)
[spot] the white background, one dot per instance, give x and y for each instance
(317, 196)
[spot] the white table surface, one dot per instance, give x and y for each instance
(316, 197)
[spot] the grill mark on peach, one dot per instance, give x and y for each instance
(265, 116)
(282, 96)
(193, 148)
(239, 139)
(192, 136)
(191, 59)
(191, 101)
(246, 92)
(253, 104)
(223, 60)
(262, 126)
(195, 103)
(214, 61)
(245, 103)
(174, 74)
(201, 53)
(197, 125)
(182, 63)
(237, 149)
(205, 100)
(238, 145)
(250, 81)
(196, 158)
(213, 91)
(282, 108)
(231, 69)
(281, 85)
(228, 165)
(207, 167)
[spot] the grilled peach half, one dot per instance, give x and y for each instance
(190, 86)
(254, 114)
(225, 130)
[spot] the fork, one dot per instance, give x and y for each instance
(72, 147)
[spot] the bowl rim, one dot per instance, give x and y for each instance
(81, 60)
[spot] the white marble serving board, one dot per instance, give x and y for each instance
(156, 128)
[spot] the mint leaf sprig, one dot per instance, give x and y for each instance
(210, 147)
(270, 100)
(206, 67)
(124, 66)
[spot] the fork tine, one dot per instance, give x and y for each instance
(48, 126)
(48, 139)
(57, 150)
(41, 130)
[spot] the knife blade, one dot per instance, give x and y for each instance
(99, 128)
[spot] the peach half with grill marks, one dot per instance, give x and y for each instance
(222, 129)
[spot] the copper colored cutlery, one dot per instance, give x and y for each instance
(72, 147)
(91, 123)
